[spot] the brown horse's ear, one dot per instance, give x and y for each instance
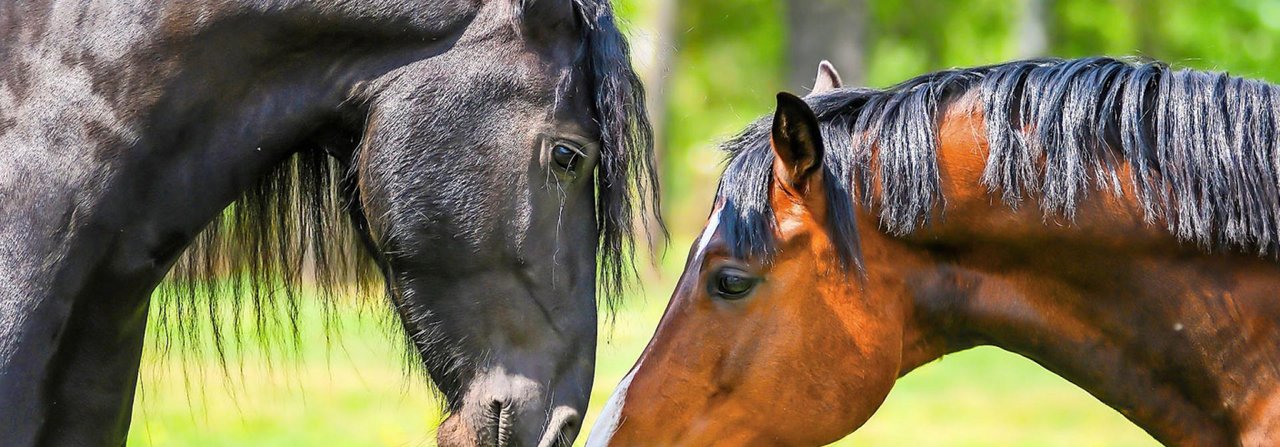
(797, 144)
(828, 79)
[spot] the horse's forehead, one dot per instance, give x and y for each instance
(543, 51)
(708, 232)
(575, 103)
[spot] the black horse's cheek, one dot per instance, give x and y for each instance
(491, 249)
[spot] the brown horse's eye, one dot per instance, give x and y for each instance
(732, 284)
(565, 156)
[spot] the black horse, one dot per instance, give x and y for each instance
(478, 155)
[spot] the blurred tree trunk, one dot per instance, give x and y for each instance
(1033, 28)
(1139, 12)
(657, 81)
(825, 29)
(658, 75)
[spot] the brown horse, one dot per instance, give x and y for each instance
(1022, 205)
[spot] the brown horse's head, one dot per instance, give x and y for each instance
(789, 326)
(789, 347)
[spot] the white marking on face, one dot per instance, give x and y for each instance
(604, 428)
(611, 417)
(707, 233)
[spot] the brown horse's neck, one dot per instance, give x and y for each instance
(1185, 344)
(1191, 366)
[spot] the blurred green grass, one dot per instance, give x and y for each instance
(354, 390)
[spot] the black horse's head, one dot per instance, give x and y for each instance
(490, 177)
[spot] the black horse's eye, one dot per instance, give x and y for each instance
(733, 284)
(565, 156)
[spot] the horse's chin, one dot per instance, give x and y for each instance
(456, 432)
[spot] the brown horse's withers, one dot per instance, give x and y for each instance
(795, 337)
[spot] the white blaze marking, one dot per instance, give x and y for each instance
(604, 428)
(707, 233)
(611, 417)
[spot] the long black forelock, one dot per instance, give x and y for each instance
(1201, 147)
(627, 192)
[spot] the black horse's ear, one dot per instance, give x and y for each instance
(797, 143)
(828, 79)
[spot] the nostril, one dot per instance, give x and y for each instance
(568, 431)
(500, 423)
(571, 423)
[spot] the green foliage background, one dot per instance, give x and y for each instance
(730, 58)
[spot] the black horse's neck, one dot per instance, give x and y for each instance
(1146, 334)
(127, 132)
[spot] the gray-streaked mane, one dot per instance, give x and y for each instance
(1201, 145)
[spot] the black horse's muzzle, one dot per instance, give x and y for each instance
(505, 410)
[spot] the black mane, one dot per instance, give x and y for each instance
(298, 225)
(1201, 145)
(627, 183)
